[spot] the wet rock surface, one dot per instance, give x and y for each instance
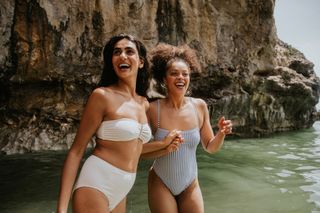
(51, 60)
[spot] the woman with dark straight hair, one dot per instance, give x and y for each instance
(116, 114)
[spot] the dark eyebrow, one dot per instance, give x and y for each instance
(126, 48)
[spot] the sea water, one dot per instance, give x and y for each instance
(277, 174)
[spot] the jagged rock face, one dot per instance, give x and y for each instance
(51, 60)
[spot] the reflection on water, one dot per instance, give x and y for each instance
(276, 174)
(312, 173)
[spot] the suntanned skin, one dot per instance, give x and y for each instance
(182, 117)
(106, 103)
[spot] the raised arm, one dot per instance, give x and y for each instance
(212, 143)
(91, 118)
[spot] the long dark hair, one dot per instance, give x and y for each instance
(109, 77)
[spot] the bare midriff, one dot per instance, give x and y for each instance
(122, 154)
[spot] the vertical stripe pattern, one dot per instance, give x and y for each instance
(178, 169)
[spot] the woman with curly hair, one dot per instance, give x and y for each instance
(173, 183)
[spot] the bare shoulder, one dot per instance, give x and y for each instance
(144, 102)
(154, 104)
(152, 112)
(202, 107)
(102, 96)
(99, 93)
(200, 103)
(153, 107)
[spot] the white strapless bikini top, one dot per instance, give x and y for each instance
(124, 129)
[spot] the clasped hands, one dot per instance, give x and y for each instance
(173, 140)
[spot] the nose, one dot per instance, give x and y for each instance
(180, 76)
(123, 55)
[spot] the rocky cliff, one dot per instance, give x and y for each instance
(51, 60)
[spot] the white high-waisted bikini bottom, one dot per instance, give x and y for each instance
(115, 183)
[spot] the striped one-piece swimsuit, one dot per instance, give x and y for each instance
(178, 169)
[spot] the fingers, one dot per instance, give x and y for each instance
(175, 144)
(171, 136)
(181, 140)
(221, 120)
(178, 140)
(174, 133)
(227, 130)
(225, 126)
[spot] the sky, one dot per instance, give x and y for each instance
(298, 24)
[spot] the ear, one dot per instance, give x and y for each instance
(141, 63)
(165, 81)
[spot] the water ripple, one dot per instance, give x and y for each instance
(285, 173)
(291, 157)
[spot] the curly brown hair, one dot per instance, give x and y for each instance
(163, 55)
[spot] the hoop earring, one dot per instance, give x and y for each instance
(163, 88)
(188, 92)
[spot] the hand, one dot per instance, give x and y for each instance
(225, 126)
(174, 145)
(171, 137)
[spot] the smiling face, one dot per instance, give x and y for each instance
(125, 58)
(177, 77)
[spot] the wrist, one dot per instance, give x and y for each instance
(165, 142)
(62, 209)
(221, 132)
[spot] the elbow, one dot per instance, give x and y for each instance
(145, 151)
(143, 157)
(213, 146)
(211, 151)
(76, 153)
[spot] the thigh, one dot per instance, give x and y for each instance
(190, 200)
(121, 207)
(87, 200)
(160, 198)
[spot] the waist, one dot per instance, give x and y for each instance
(123, 130)
(178, 163)
(125, 155)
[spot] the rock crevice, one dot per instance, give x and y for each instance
(51, 60)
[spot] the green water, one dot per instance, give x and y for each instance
(276, 174)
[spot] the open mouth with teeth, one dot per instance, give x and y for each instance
(124, 66)
(180, 85)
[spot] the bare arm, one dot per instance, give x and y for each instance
(92, 116)
(159, 145)
(212, 143)
(155, 154)
(173, 146)
(162, 147)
